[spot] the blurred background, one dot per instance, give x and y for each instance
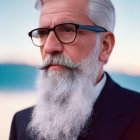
(19, 58)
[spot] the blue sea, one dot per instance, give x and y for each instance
(23, 77)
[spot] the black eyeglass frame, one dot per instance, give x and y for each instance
(94, 28)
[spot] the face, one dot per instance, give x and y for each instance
(55, 12)
(65, 96)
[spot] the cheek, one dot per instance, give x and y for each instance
(42, 54)
(80, 49)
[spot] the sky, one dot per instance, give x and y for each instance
(18, 17)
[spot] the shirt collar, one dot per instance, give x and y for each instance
(99, 86)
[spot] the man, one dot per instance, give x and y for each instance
(77, 99)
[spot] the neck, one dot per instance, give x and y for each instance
(100, 76)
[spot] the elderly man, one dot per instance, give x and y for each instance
(77, 99)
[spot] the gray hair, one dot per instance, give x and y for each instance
(101, 12)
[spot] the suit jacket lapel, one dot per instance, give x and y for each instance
(109, 119)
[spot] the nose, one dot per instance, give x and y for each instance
(52, 45)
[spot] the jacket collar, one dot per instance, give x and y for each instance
(110, 100)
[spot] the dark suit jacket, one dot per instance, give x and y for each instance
(116, 116)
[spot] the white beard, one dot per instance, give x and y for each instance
(66, 98)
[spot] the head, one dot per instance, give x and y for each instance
(91, 12)
(71, 71)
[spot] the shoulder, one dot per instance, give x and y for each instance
(24, 112)
(19, 124)
(118, 89)
(133, 95)
(132, 99)
(22, 118)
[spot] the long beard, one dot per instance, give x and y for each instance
(66, 98)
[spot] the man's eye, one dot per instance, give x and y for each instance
(42, 33)
(68, 30)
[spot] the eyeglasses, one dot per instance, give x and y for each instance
(66, 33)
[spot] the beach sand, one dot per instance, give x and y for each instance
(10, 103)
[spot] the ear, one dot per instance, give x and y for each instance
(107, 44)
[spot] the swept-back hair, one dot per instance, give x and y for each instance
(101, 12)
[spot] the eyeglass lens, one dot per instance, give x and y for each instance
(65, 33)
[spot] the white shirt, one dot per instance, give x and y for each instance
(99, 86)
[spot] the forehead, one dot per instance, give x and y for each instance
(58, 11)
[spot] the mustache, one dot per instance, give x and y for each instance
(60, 60)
